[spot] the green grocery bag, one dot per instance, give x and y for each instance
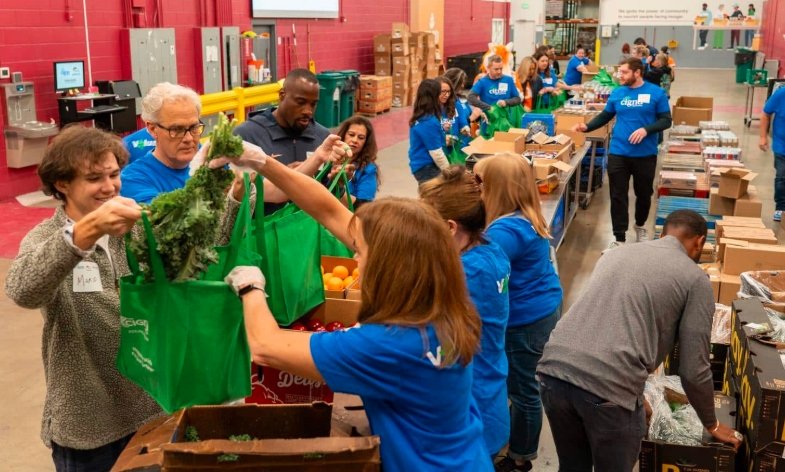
(329, 245)
(515, 115)
(549, 103)
(184, 342)
(289, 243)
(455, 155)
(497, 121)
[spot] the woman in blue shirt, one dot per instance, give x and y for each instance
(515, 223)
(466, 114)
(456, 196)
(426, 135)
(550, 83)
(357, 132)
(576, 67)
(410, 358)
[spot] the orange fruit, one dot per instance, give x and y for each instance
(348, 281)
(325, 286)
(335, 284)
(322, 267)
(326, 277)
(340, 271)
(356, 273)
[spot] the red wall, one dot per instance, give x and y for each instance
(34, 33)
(773, 31)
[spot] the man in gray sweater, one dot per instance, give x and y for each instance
(639, 300)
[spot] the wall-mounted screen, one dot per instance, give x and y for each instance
(295, 9)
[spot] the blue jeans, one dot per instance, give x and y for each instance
(524, 345)
(100, 459)
(589, 431)
(779, 182)
(748, 35)
(430, 171)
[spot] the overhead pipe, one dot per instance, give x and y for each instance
(87, 44)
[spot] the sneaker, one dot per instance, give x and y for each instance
(777, 215)
(508, 464)
(613, 245)
(641, 233)
(701, 48)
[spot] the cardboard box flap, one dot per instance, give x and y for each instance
(562, 139)
(541, 138)
(480, 145)
(280, 448)
(736, 172)
(511, 135)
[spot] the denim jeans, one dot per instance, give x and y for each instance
(524, 345)
(748, 35)
(589, 431)
(779, 182)
(100, 459)
(431, 171)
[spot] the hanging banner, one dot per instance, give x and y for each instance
(662, 12)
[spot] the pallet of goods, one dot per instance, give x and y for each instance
(375, 94)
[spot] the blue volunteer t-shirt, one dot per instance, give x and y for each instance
(491, 91)
(635, 108)
(535, 291)
(549, 79)
(363, 184)
(138, 144)
(426, 134)
(573, 76)
(487, 272)
(425, 416)
(463, 111)
(148, 177)
(775, 105)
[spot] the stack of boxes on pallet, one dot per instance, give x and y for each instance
(375, 94)
(408, 58)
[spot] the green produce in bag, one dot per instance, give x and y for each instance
(497, 121)
(290, 246)
(604, 78)
(184, 342)
(329, 245)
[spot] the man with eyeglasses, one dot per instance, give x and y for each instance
(171, 113)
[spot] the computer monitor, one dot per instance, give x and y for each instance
(69, 75)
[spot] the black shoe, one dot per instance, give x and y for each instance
(508, 464)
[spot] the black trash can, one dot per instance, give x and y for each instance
(743, 59)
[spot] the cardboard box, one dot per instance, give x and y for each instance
(678, 180)
(720, 206)
(713, 271)
(734, 182)
(375, 95)
(718, 355)
(382, 64)
(729, 288)
(399, 99)
(401, 61)
(691, 110)
(749, 205)
(565, 122)
(546, 167)
(401, 74)
(740, 221)
(374, 82)
(753, 235)
(328, 265)
(481, 147)
(285, 438)
(400, 31)
(743, 256)
(399, 47)
(432, 71)
(374, 106)
(400, 87)
(658, 456)
(381, 44)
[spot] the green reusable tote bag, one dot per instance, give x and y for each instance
(497, 121)
(184, 342)
(515, 115)
(288, 241)
(329, 245)
(455, 155)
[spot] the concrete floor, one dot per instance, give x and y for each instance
(21, 375)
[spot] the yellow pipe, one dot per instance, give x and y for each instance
(236, 101)
(597, 47)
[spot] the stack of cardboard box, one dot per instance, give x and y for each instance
(382, 59)
(734, 196)
(401, 64)
(375, 94)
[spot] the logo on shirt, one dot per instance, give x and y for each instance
(437, 359)
(500, 90)
(503, 284)
(142, 143)
(630, 103)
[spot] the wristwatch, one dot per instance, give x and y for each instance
(248, 288)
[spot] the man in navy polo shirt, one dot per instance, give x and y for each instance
(642, 112)
(775, 105)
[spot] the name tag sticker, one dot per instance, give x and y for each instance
(87, 278)
(502, 87)
(644, 98)
(548, 81)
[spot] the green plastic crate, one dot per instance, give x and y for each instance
(757, 77)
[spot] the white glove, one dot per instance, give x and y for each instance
(243, 276)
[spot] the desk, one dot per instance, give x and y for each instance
(70, 111)
(741, 27)
(559, 207)
(749, 102)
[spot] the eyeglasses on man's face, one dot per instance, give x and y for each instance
(178, 132)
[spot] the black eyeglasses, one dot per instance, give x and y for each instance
(178, 132)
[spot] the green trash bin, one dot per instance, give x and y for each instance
(328, 109)
(744, 59)
(349, 93)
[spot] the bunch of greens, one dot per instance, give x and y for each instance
(185, 222)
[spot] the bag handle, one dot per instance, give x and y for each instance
(156, 264)
(258, 220)
(242, 225)
(342, 176)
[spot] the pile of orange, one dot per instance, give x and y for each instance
(339, 278)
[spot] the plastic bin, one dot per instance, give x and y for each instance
(546, 118)
(348, 93)
(328, 109)
(744, 59)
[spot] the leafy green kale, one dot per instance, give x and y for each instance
(191, 435)
(186, 221)
(241, 437)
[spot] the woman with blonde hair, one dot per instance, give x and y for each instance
(456, 196)
(515, 222)
(529, 83)
(410, 358)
